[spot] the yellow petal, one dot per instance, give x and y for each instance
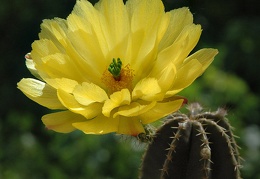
(166, 76)
(134, 109)
(147, 89)
(130, 126)
(65, 84)
(82, 10)
(122, 49)
(173, 56)
(189, 37)
(161, 110)
(42, 48)
(86, 19)
(115, 15)
(179, 18)
(40, 92)
(89, 45)
(180, 49)
(86, 54)
(204, 56)
(52, 63)
(118, 98)
(31, 66)
(54, 30)
(98, 125)
(187, 74)
(192, 68)
(89, 93)
(166, 57)
(87, 48)
(163, 27)
(143, 53)
(60, 66)
(72, 104)
(61, 121)
(144, 15)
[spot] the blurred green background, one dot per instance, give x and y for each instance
(28, 150)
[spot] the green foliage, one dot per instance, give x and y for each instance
(46, 154)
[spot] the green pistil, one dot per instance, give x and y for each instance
(115, 68)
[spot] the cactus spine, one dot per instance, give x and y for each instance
(198, 146)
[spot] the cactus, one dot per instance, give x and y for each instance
(198, 146)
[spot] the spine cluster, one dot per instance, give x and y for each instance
(199, 145)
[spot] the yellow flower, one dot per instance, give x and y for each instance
(114, 67)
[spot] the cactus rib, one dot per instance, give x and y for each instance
(195, 146)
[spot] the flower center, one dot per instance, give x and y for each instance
(115, 68)
(117, 78)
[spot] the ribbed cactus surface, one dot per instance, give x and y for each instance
(199, 145)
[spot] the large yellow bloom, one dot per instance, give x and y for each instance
(114, 67)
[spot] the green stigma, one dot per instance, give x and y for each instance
(115, 68)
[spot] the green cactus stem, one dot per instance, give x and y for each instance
(199, 145)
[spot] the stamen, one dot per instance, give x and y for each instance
(116, 77)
